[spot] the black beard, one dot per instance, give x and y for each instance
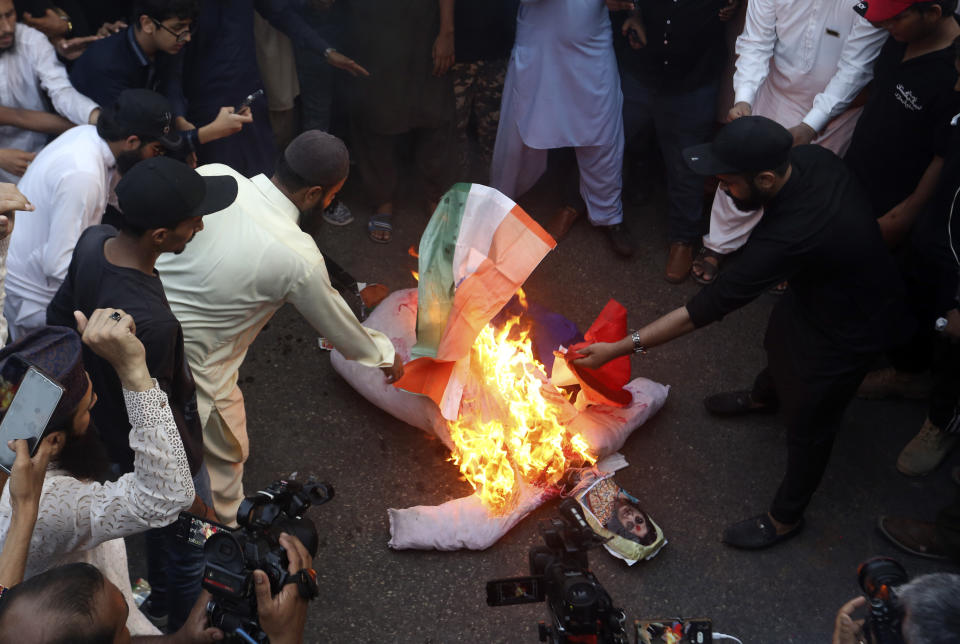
(84, 456)
(754, 202)
(127, 159)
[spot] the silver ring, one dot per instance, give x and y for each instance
(115, 316)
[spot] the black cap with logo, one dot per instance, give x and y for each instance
(146, 114)
(748, 144)
(161, 192)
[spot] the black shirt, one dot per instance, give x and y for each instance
(845, 294)
(116, 63)
(94, 283)
(685, 49)
(903, 124)
(485, 29)
(935, 237)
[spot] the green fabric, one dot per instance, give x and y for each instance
(436, 288)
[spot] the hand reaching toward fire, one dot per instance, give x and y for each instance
(597, 354)
(395, 371)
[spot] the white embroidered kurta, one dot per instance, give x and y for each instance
(86, 521)
(29, 71)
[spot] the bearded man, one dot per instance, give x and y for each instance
(70, 183)
(81, 518)
(846, 299)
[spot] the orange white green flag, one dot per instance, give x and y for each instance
(475, 253)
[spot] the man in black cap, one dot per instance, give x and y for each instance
(163, 203)
(70, 183)
(231, 281)
(818, 232)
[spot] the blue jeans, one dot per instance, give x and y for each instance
(679, 120)
(175, 567)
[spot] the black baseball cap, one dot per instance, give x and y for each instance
(748, 144)
(146, 114)
(161, 192)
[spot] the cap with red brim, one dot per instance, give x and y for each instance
(880, 10)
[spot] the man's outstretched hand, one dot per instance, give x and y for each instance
(394, 372)
(596, 355)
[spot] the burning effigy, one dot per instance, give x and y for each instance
(485, 372)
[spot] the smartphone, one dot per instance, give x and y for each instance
(196, 531)
(674, 631)
(248, 101)
(34, 399)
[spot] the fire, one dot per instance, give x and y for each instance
(511, 424)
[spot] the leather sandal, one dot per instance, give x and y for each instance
(708, 270)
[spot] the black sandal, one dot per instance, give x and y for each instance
(708, 270)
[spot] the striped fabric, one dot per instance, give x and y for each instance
(477, 250)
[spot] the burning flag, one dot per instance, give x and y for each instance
(478, 386)
(476, 252)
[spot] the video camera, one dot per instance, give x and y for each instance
(232, 555)
(878, 577)
(581, 610)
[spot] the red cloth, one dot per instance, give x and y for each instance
(604, 386)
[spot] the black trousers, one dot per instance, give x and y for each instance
(948, 527)
(812, 407)
(943, 411)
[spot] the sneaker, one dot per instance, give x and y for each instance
(337, 214)
(890, 383)
(926, 450)
(157, 616)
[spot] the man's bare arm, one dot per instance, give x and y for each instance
(34, 120)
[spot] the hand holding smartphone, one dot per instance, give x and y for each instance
(33, 399)
(248, 101)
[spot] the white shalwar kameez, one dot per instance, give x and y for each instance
(797, 62)
(563, 90)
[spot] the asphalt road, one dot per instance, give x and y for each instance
(693, 473)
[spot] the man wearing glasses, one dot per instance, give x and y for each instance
(147, 55)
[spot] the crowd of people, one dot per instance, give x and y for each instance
(158, 156)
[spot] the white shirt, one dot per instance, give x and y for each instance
(68, 184)
(819, 51)
(236, 273)
(562, 79)
(29, 70)
(76, 517)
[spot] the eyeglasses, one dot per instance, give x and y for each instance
(182, 36)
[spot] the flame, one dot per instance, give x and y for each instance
(416, 275)
(511, 424)
(413, 252)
